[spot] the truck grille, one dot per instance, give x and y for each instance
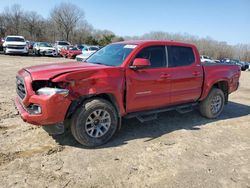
(15, 47)
(20, 87)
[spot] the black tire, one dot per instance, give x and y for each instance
(207, 108)
(244, 68)
(4, 51)
(37, 52)
(79, 122)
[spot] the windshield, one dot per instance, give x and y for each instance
(111, 55)
(44, 44)
(63, 43)
(73, 48)
(14, 39)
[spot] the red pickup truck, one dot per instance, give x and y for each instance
(123, 80)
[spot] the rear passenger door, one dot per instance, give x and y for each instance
(186, 75)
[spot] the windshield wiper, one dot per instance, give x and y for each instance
(98, 63)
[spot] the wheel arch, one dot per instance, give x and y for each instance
(107, 96)
(224, 86)
(221, 84)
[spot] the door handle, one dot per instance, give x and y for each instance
(196, 73)
(165, 76)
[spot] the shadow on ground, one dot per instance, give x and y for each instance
(167, 122)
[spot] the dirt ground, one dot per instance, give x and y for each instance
(174, 151)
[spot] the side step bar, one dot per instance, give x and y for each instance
(144, 118)
(150, 115)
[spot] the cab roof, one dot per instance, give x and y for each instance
(155, 42)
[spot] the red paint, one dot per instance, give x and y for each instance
(140, 62)
(141, 89)
(70, 53)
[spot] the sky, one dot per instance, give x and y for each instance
(222, 20)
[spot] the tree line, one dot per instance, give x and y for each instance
(207, 46)
(67, 22)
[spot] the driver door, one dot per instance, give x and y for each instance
(149, 88)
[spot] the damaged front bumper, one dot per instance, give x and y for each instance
(43, 110)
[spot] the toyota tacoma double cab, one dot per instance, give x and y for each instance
(122, 80)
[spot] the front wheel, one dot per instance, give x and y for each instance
(212, 106)
(94, 123)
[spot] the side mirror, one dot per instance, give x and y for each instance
(140, 63)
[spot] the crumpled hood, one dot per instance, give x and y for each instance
(48, 71)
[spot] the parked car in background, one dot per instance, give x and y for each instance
(44, 48)
(30, 44)
(15, 45)
(245, 65)
(1, 44)
(81, 46)
(248, 65)
(61, 44)
(70, 52)
(241, 64)
(86, 52)
(206, 59)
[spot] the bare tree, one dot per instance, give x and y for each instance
(14, 18)
(82, 33)
(32, 24)
(66, 21)
(66, 17)
(3, 28)
(206, 46)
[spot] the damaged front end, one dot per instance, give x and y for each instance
(42, 102)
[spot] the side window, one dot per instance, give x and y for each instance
(155, 54)
(180, 56)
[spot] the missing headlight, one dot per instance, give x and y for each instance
(38, 84)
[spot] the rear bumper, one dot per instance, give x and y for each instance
(53, 109)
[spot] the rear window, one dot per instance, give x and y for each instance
(180, 56)
(14, 39)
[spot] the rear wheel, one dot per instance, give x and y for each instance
(94, 123)
(213, 105)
